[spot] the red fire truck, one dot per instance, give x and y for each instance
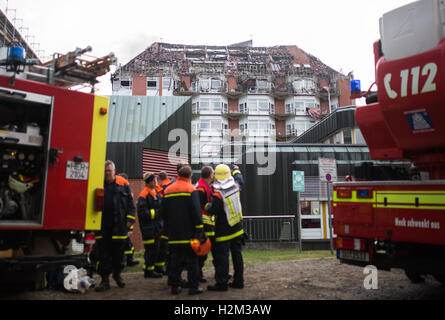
(401, 223)
(52, 154)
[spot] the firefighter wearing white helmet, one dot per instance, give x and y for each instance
(229, 234)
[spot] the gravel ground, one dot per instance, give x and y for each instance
(312, 279)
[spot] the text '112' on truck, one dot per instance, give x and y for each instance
(52, 155)
(400, 222)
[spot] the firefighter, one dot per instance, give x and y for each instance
(205, 189)
(226, 206)
(148, 205)
(128, 258)
(117, 218)
(161, 257)
(183, 222)
(236, 173)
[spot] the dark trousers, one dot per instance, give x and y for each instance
(151, 251)
(128, 251)
(222, 251)
(237, 260)
(161, 255)
(110, 256)
(180, 255)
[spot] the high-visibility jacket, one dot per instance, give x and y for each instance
(114, 223)
(205, 196)
(228, 222)
(181, 213)
(149, 205)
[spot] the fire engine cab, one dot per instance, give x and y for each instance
(52, 155)
(401, 223)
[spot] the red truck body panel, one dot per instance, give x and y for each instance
(72, 114)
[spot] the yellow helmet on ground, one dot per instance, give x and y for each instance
(222, 172)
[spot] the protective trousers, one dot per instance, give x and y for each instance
(161, 255)
(180, 255)
(237, 260)
(222, 251)
(110, 256)
(151, 250)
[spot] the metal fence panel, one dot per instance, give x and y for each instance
(270, 228)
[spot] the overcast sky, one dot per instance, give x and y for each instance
(339, 32)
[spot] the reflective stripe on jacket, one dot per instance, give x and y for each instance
(181, 212)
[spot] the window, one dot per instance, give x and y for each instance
(210, 125)
(260, 127)
(167, 84)
(216, 84)
(209, 105)
(347, 136)
(126, 83)
(259, 105)
(204, 84)
(359, 137)
(152, 84)
(304, 85)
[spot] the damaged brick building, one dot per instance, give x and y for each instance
(238, 92)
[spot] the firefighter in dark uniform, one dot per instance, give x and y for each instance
(238, 177)
(128, 258)
(149, 205)
(226, 206)
(205, 189)
(161, 258)
(183, 222)
(117, 219)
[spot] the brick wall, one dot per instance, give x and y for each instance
(345, 90)
(139, 86)
(231, 83)
(279, 106)
(233, 105)
(233, 124)
(280, 126)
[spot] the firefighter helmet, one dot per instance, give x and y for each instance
(20, 184)
(201, 249)
(222, 172)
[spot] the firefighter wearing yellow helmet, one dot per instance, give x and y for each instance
(229, 234)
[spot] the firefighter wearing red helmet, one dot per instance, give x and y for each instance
(182, 223)
(229, 234)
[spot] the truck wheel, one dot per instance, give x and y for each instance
(440, 278)
(414, 277)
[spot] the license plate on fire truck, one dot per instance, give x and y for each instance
(77, 170)
(353, 255)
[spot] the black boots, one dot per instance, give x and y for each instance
(236, 285)
(218, 287)
(119, 281)
(103, 286)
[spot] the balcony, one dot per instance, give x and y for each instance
(209, 86)
(283, 115)
(323, 93)
(261, 132)
(234, 114)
